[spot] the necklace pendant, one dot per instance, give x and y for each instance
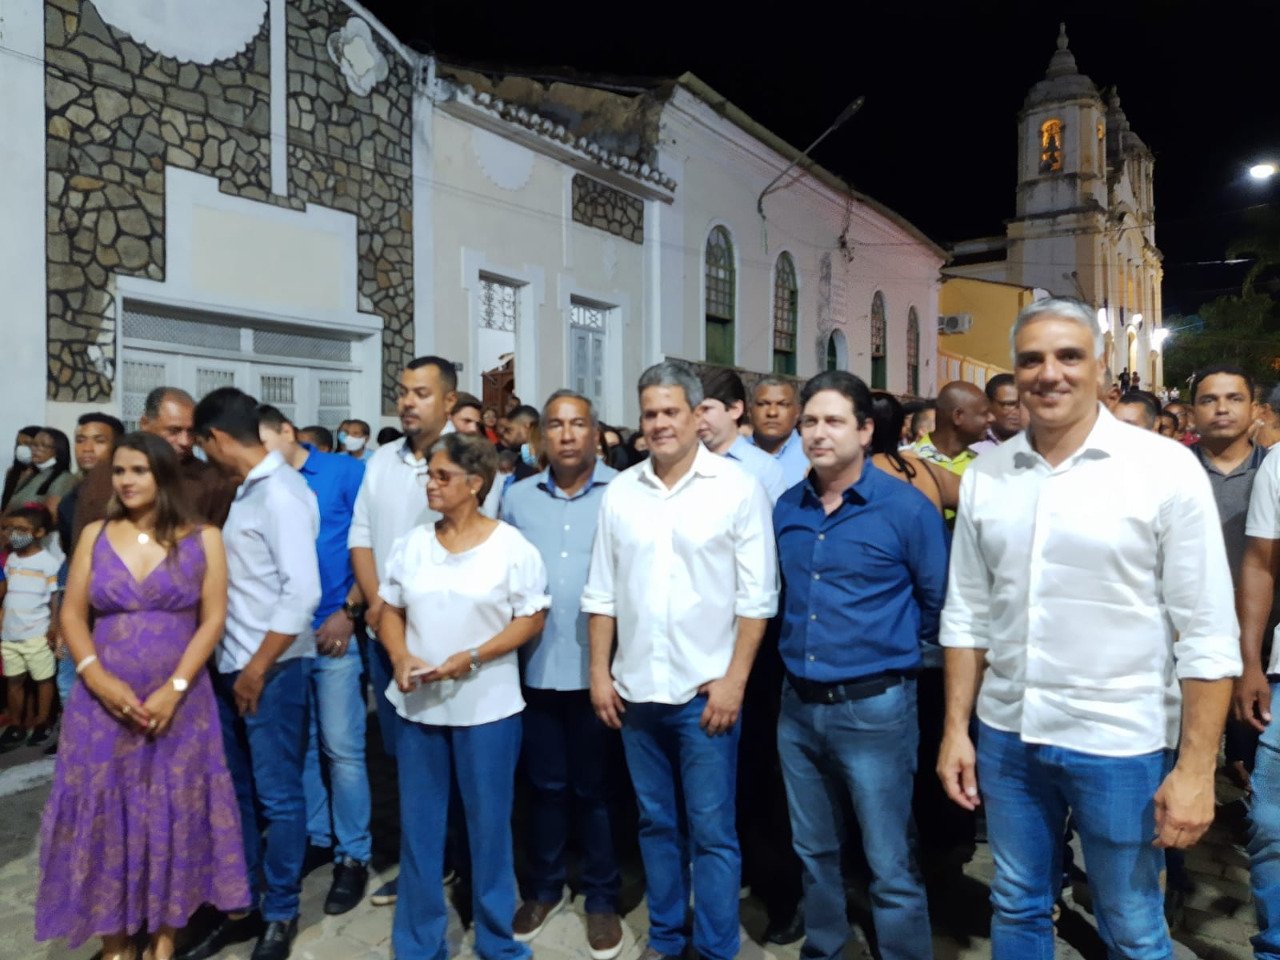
(144, 539)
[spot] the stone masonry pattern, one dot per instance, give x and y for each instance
(599, 205)
(118, 113)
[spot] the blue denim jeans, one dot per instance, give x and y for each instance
(1028, 789)
(866, 748)
(675, 767)
(566, 757)
(1264, 836)
(378, 666)
(265, 754)
(483, 759)
(338, 805)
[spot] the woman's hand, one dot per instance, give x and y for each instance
(411, 671)
(116, 697)
(160, 706)
(455, 668)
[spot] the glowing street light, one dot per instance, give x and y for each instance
(1264, 171)
(1159, 336)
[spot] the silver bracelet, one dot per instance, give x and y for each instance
(86, 663)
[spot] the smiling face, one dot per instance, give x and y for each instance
(669, 424)
(1222, 409)
(132, 480)
(93, 443)
(1056, 372)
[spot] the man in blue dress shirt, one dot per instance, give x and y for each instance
(337, 812)
(565, 746)
(864, 563)
(774, 413)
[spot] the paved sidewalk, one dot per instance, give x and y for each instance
(1217, 923)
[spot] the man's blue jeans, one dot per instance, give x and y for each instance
(1264, 836)
(483, 759)
(1028, 789)
(866, 748)
(338, 811)
(566, 756)
(676, 768)
(265, 753)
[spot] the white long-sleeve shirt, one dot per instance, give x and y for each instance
(675, 568)
(1076, 581)
(273, 577)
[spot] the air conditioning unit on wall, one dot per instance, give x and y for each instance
(955, 323)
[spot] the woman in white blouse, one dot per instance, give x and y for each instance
(462, 595)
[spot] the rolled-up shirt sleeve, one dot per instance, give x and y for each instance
(292, 527)
(755, 557)
(1264, 502)
(599, 595)
(527, 582)
(966, 615)
(1195, 582)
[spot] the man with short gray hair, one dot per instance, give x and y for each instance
(1088, 583)
(684, 571)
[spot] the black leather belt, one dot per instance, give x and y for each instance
(812, 691)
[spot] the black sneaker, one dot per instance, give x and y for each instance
(224, 932)
(12, 739)
(276, 940)
(39, 737)
(350, 877)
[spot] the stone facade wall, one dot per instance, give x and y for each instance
(118, 113)
(599, 205)
(355, 154)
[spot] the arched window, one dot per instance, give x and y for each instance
(1051, 146)
(837, 351)
(720, 305)
(913, 352)
(879, 336)
(785, 313)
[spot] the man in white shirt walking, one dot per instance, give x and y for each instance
(261, 664)
(1082, 550)
(684, 571)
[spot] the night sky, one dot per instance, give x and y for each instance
(936, 140)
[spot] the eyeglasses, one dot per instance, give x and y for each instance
(444, 477)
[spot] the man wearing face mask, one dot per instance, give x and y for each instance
(353, 439)
(168, 413)
(515, 431)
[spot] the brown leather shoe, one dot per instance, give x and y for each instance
(533, 916)
(604, 935)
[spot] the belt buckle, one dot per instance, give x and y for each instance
(831, 695)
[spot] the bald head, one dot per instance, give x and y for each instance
(963, 415)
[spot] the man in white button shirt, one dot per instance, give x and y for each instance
(262, 664)
(684, 570)
(1083, 548)
(391, 502)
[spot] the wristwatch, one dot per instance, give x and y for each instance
(475, 660)
(179, 684)
(354, 609)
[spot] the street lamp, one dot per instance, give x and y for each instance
(1158, 336)
(1264, 171)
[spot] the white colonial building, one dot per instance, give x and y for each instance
(279, 195)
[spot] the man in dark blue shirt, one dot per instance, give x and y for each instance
(339, 805)
(864, 566)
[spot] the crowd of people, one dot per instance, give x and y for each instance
(790, 609)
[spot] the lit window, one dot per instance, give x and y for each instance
(879, 336)
(720, 306)
(785, 312)
(1051, 146)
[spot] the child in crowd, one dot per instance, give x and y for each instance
(29, 631)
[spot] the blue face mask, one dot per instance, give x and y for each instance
(527, 455)
(342, 437)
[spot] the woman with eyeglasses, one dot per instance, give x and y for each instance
(53, 479)
(461, 596)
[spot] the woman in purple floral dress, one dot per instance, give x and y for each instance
(142, 825)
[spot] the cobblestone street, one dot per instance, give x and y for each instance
(1216, 924)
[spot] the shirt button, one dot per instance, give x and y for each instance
(813, 616)
(564, 554)
(817, 576)
(566, 526)
(812, 658)
(822, 536)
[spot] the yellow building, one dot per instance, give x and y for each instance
(973, 327)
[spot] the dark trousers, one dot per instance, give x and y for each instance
(944, 827)
(566, 756)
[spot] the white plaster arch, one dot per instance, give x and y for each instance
(194, 31)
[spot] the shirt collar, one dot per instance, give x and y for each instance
(791, 437)
(269, 464)
(735, 449)
(1257, 453)
(405, 452)
(1106, 439)
(309, 464)
(601, 474)
(859, 491)
(925, 445)
(705, 464)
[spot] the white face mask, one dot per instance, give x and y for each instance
(22, 454)
(51, 462)
(353, 444)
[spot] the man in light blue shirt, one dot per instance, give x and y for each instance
(262, 662)
(565, 746)
(724, 401)
(774, 413)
